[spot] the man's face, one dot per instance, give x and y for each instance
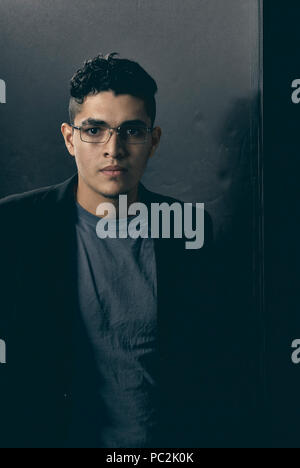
(92, 158)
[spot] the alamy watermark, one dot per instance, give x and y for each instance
(2, 352)
(296, 353)
(2, 92)
(138, 226)
(2, 342)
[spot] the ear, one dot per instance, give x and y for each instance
(156, 136)
(68, 133)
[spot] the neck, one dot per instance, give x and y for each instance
(90, 200)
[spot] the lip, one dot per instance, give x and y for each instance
(113, 173)
(113, 170)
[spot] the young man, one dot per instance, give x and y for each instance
(110, 342)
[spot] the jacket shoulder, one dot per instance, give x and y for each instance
(28, 197)
(29, 200)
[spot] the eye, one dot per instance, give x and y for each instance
(92, 131)
(134, 131)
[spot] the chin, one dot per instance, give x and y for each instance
(112, 190)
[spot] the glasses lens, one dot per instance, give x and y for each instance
(92, 134)
(133, 134)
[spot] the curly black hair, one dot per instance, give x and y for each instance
(105, 73)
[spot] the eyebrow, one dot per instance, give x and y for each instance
(91, 121)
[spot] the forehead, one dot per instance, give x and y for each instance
(112, 109)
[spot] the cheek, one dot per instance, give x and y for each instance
(85, 157)
(141, 158)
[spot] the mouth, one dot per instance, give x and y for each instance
(113, 173)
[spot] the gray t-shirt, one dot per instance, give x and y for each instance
(114, 388)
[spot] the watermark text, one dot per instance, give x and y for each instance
(2, 352)
(188, 221)
(2, 92)
(296, 352)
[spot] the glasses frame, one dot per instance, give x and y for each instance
(111, 130)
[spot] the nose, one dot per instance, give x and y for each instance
(113, 147)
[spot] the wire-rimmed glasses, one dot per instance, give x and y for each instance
(129, 133)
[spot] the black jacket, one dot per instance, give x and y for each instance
(202, 374)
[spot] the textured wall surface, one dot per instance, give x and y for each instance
(203, 55)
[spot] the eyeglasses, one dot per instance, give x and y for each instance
(130, 134)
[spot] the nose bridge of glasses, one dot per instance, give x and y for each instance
(111, 130)
(115, 129)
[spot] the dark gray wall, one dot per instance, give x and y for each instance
(204, 56)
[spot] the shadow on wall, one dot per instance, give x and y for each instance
(237, 226)
(234, 212)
